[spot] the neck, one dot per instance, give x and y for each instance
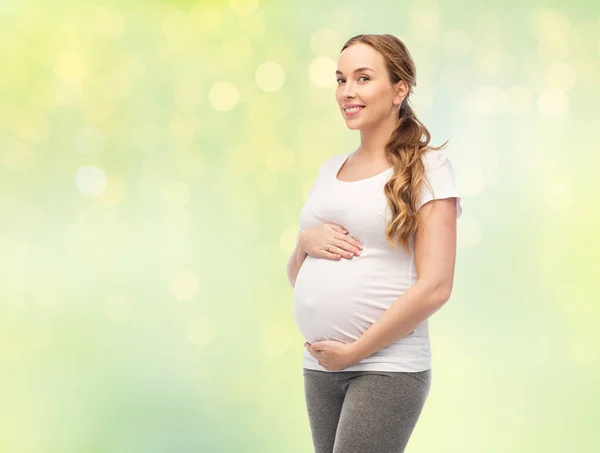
(374, 139)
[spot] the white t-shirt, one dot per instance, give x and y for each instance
(339, 300)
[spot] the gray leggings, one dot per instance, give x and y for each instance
(364, 411)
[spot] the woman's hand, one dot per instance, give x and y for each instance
(333, 355)
(329, 241)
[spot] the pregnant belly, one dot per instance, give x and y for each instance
(339, 300)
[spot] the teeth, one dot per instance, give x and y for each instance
(354, 109)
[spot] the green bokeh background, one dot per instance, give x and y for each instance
(154, 157)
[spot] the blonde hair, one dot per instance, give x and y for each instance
(407, 144)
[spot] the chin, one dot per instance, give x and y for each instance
(353, 127)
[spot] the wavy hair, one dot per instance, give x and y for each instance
(407, 144)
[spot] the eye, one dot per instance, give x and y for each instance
(361, 77)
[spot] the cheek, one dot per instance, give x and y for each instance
(378, 99)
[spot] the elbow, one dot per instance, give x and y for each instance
(443, 293)
(289, 272)
(440, 292)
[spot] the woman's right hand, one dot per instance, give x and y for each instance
(329, 241)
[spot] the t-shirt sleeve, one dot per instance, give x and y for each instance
(440, 176)
(322, 173)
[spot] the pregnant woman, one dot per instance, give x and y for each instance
(374, 259)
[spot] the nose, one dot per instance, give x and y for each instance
(348, 91)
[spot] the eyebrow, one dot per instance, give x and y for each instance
(356, 70)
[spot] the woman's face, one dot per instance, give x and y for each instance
(370, 87)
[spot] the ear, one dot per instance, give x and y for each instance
(401, 90)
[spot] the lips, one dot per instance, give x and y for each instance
(353, 110)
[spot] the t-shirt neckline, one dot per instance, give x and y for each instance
(343, 161)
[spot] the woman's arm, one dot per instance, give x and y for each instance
(295, 262)
(435, 254)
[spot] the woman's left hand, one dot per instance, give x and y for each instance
(333, 355)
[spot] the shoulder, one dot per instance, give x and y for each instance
(332, 162)
(434, 159)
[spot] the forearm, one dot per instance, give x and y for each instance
(418, 303)
(295, 262)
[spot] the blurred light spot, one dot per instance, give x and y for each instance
(556, 49)
(114, 192)
(469, 232)
(33, 128)
(457, 44)
(67, 93)
(18, 156)
(223, 96)
(559, 194)
(243, 7)
(455, 77)
(184, 285)
(550, 24)
(188, 95)
(237, 52)
(183, 127)
(118, 305)
(89, 142)
(494, 59)
(175, 194)
(109, 22)
(146, 136)
(280, 104)
(269, 76)
(489, 100)
(275, 340)
(70, 67)
(175, 25)
(202, 331)
(279, 159)
(90, 180)
(321, 72)
(40, 93)
(325, 42)
(518, 99)
(117, 85)
(470, 180)
(560, 76)
(425, 18)
(205, 16)
(553, 103)
(288, 239)
(284, 102)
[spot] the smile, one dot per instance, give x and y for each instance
(353, 111)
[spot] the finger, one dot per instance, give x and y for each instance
(338, 228)
(331, 255)
(347, 243)
(340, 251)
(353, 245)
(354, 242)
